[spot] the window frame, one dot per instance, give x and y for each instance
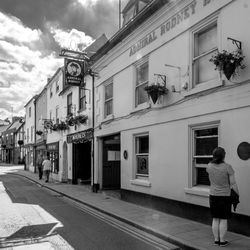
(193, 166)
(139, 65)
(69, 106)
(82, 100)
(205, 24)
(136, 154)
(108, 100)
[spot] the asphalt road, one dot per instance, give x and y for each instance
(81, 229)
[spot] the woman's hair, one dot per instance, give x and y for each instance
(218, 155)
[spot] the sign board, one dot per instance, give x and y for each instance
(81, 136)
(53, 146)
(74, 72)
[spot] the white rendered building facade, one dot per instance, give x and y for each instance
(157, 153)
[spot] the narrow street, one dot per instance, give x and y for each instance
(42, 213)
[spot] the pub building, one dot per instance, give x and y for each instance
(156, 150)
(81, 156)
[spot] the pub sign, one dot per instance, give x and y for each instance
(74, 72)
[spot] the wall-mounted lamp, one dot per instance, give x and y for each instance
(179, 69)
(174, 90)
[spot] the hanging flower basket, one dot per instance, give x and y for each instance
(228, 62)
(39, 132)
(155, 91)
(62, 126)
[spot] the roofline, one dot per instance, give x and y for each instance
(132, 25)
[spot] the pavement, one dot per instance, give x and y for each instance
(185, 233)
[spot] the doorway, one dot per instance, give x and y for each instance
(111, 162)
(81, 163)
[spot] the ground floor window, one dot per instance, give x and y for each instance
(141, 154)
(204, 140)
(53, 157)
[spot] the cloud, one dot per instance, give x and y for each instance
(71, 39)
(22, 66)
(12, 28)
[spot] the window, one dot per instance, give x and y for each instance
(205, 140)
(27, 135)
(29, 111)
(69, 104)
(57, 86)
(82, 99)
(205, 44)
(51, 93)
(108, 102)
(141, 153)
(57, 115)
(141, 95)
(31, 133)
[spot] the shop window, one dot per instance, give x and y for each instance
(141, 154)
(69, 104)
(205, 43)
(53, 157)
(204, 141)
(141, 95)
(82, 99)
(108, 100)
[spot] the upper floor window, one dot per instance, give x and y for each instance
(82, 99)
(57, 115)
(204, 141)
(141, 95)
(57, 86)
(50, 91)
(28, 135)
(29, 111)
(108, 100)
(141, 153)
(205, 43)
(69, 104)
(132, 8)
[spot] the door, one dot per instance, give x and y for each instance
(82, 162)
(111, 162)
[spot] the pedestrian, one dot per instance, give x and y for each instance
(46, 168)
(40, 166)
(222, 179)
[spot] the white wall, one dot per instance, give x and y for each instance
(168, 123)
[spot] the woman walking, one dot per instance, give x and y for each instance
(46, 168)
(222, 179)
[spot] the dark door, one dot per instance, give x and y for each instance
(111, 162)
(82, 162)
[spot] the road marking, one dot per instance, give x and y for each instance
(135, 232)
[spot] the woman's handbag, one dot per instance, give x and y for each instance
(234, 197)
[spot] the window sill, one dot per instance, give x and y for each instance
(108, 118)
(144, 183)
(81, 110)
(198, 190)
(204, 86)
(142, 106)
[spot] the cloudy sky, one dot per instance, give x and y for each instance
(32, 34)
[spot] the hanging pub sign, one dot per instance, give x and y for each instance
(74, 72)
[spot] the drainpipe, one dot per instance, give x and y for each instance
(35, 136)
(95, 185)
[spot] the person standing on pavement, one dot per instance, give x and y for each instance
(40, 166)
(46, 168)
(222, 179)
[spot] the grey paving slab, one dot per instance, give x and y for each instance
(176, 229)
